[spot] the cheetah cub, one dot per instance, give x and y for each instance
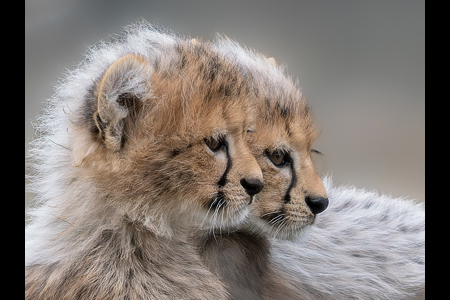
(293, 194)
(142, 144)
(363, 246)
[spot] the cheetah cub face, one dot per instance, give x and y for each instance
(293, 192)
(281, 142)
(171, 139)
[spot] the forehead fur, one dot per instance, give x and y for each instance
(198, 89)
(282, 110)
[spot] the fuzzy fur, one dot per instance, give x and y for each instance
(284, 125)
(364, 246)
(382, 239)
(126, 198)
(123, 172)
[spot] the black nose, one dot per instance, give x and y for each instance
(316, 204)
(252, 186)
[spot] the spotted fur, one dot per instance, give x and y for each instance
(364, 246)
(123, 173)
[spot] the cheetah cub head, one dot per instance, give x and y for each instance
(170, 138)
(293, 194)
(281, 141)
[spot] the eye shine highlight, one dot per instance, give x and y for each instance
(215, 143)
(278, 158)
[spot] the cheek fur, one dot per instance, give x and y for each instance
(189, 172)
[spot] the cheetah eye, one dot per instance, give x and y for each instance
(278, 158)
(215, 143)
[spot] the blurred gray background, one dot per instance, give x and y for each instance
(361, 65)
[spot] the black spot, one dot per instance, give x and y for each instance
(225, 90)
(213, 69)
(176, 152)
(129, 274)
(283, 109)
(358, 255)
(403, 228)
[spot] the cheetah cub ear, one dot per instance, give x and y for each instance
(120, 93)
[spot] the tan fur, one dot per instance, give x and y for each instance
(285, 126)
(135, 177)
(165, 145)
(132, 179)
(242, 259)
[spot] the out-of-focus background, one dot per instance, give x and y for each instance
(361, 65)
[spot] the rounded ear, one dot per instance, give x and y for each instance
(119, 95)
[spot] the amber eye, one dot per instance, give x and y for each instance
(278, 158)
(215, 143)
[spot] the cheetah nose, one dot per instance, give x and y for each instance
(252, 186)
(316, 205)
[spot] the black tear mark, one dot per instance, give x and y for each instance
(223, 180)
(287, 197)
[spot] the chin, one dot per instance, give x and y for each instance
(223, 216)
(287, 230)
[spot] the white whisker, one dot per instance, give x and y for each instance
(280, 226)
(276, 219)
(273, 212)
(222, 213)
(207, 213)
(216, 212)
